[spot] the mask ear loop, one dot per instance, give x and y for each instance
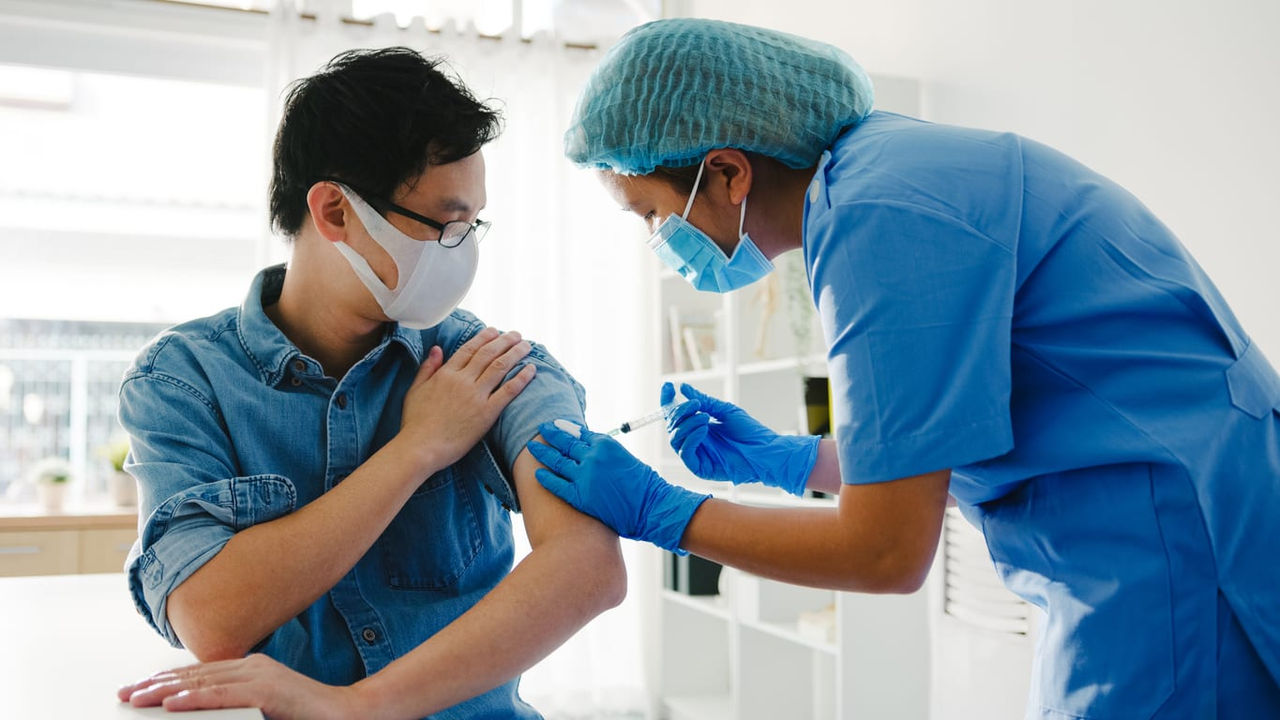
(696, 182)
(742, 219)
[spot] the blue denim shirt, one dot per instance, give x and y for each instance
(231, 425)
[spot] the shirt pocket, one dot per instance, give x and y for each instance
(1254, 384)
(435, 537)
(1086, 547)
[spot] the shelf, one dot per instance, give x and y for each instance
(710, 604)
(694, 376)
(790, 634)
(699, 707)
(763, 497)
(782, 364)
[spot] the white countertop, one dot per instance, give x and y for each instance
(67, 642)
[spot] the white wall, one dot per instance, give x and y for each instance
(1177, 100)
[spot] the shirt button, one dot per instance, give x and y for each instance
(341, 399)
(299, 366)
(370, 635)
(295, 381)
(814, 190)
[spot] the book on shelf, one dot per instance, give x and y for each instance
(692, 339)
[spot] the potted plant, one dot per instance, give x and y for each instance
(124, 490)
(51, 476)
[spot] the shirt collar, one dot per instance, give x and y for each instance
(817, 191)
(269, 349)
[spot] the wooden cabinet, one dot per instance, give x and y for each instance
(104, 551)
(41, 552)
(32, 544)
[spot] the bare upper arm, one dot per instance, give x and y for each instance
(547, 516)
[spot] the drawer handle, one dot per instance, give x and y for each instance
(20, 550)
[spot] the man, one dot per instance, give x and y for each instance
(324, 470)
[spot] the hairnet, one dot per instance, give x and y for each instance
(672, 90)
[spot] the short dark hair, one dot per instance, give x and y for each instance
(373, 118)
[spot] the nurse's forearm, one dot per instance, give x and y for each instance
(880, 539)
(825, 476)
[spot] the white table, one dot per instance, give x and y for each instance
(68, 641)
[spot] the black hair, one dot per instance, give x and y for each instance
(681, 178)
(375, 119)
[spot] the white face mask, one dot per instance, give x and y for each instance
(433, 279)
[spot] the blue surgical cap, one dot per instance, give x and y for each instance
(672, 90)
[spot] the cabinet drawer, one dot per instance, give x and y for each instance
(50, 552)
(104, 551)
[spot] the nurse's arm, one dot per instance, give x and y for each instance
(881, 538)
(825, 476)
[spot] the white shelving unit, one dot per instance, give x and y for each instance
(741, 655)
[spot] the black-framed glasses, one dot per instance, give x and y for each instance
(452, 233)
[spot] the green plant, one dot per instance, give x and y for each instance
(795, 292)
(52, 470)
(116, 453)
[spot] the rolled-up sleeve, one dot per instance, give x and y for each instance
(552, 394)
(191, 500)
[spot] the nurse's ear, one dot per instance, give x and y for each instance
(730, 175)
(330, 211)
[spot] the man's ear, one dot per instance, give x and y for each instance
(329, 211)
(734, 168)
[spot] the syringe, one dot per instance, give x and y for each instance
(640, 422)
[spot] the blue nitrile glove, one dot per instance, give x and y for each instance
(720, 441)
(596, 475)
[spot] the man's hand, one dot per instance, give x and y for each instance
(255, 681)
(451, 405)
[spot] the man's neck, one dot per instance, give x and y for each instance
(334, 336)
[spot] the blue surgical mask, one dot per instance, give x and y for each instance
(690, 252)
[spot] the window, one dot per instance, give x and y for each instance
(127, 204)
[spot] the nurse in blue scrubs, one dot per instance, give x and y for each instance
(1004, 325)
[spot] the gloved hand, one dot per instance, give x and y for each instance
(596, 475)
(720, 441)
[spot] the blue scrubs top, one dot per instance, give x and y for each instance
(994, 307)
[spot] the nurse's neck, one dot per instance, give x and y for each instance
(775, 206)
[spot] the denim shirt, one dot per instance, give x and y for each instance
(231, 425)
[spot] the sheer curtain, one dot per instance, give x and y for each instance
(561, 264)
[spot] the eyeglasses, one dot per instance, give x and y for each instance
(452, 233)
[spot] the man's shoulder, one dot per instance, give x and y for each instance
(459, 327)
(183, 348)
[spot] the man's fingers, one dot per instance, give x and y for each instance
(510, 389)
(501, 365)
(430, 364)
(217, 696)
(469, 348)
(491, 351)
(155, 693)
